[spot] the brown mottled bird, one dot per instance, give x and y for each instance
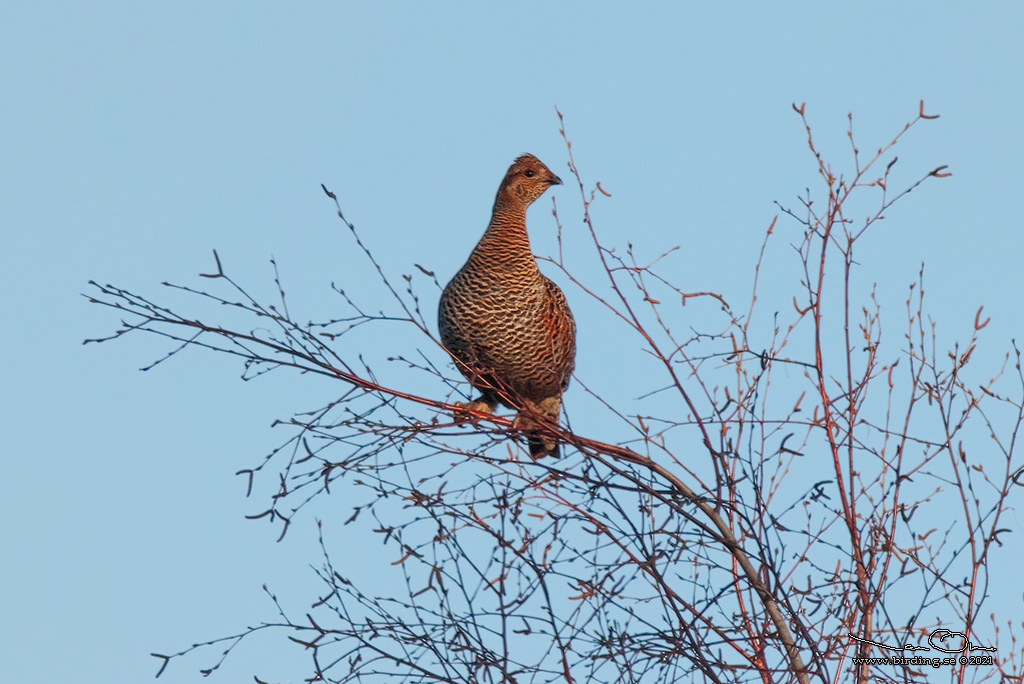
(509, 327)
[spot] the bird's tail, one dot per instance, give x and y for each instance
(540, 445)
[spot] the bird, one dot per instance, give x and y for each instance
(507, 326)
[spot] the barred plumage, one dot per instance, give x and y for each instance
(508, 326)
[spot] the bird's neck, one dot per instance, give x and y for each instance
(506, 239)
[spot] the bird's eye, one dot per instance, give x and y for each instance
(528, 173)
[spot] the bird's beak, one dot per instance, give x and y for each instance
(555, 180)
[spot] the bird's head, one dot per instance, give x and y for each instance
(526, 180)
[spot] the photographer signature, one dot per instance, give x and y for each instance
(941, 635)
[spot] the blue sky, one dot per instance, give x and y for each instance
(137, 137)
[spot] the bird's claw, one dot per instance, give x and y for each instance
(478, 406)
